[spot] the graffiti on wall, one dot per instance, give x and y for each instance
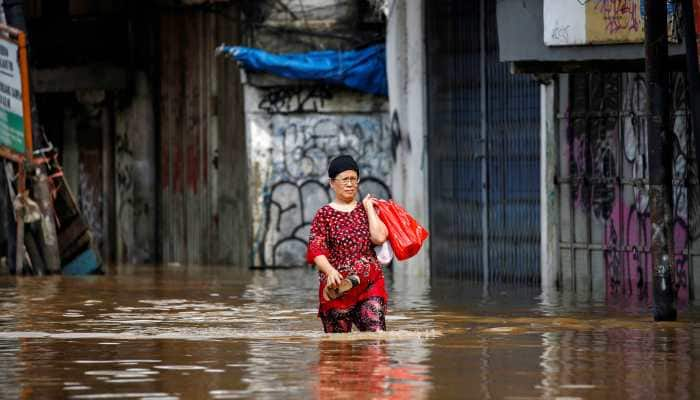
(584, 22)
(124, 161)
(90, 202)
(295, 99)
(290, 155)
(607, 140)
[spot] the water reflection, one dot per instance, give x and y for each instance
(351, 370)
(619, 363)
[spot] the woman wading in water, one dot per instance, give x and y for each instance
(341, 245)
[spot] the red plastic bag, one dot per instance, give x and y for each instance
(405, 234)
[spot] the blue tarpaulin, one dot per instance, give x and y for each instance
(363, 69)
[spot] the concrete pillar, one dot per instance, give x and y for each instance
(549, 192)
(406, 69)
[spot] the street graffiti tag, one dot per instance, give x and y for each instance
(607, 141)
(296, 99)
(619, 15)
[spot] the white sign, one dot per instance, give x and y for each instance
(564, 22)
(585, 22)
(11, 111)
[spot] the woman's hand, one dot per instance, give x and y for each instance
(368, 202)
(377, 230)
(333, 278)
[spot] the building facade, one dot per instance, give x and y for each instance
(470, 130)
(294, 128)
(596, 229)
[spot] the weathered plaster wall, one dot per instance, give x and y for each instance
(289, 155)
(407, 77)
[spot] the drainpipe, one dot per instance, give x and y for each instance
(660, 160)
(46, 227)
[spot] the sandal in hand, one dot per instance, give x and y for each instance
(346, 284)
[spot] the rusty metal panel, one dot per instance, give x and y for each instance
(483, 151)
(190, 131)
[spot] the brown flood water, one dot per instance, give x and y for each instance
(224, 333)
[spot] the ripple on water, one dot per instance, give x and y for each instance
(117, 361)
(145, 395)
(230, 394)
(77, 388)
(181, 367)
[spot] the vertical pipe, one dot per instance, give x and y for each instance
(26, 96)
(19, 255)
(659, 153)
(549, 207)
(28, 147)
(693, 86)
(484, 148)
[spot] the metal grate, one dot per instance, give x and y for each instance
(605, 229)
(480, 229)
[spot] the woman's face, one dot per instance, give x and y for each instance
(345, 185)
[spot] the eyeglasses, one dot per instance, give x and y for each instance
(351, 180)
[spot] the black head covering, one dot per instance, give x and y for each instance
(340, 164)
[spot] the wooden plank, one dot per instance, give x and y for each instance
(212, 145)
(72, 231)
(77, 247)
(178, 215)
(233, 204)
(35, 256)
(163, 154)
(166, 116)
(190, 134)
(204, 74)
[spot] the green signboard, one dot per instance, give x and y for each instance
(11, 114)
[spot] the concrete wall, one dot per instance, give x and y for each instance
(289, 156)
(294, 128)
(408, 120)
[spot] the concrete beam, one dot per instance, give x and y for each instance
(70, 79)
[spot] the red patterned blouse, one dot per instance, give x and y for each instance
(343, 237)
